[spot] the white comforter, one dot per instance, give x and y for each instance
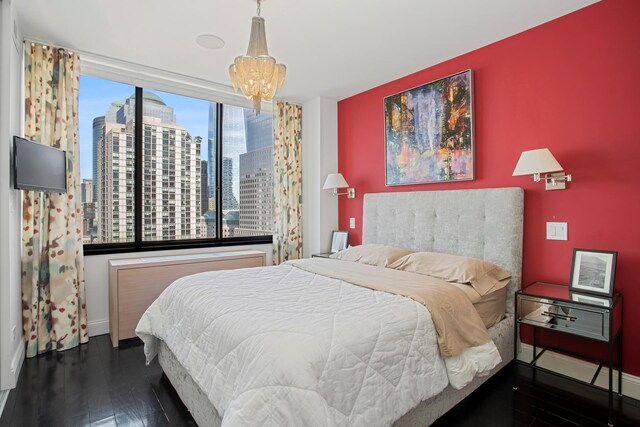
(279, 346)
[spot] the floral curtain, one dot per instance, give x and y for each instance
(53, 296)
(287, 235)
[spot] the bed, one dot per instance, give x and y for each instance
(483, 223)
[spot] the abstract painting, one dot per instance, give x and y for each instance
(429, 132)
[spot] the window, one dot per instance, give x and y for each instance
(157, 186)
(106, 161)
(247, 172)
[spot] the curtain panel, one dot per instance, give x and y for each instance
(53, 289)
(287, 235)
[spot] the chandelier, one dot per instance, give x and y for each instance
(257, 74)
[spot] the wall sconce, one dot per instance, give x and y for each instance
(536, 162)
(335, 181)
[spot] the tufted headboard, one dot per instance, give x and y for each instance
(482, 223)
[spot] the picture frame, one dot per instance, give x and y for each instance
(339, 240)
(429, 132)
(593, 271)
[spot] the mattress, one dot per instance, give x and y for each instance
(289, 346)
(490, 307)
(424, 414)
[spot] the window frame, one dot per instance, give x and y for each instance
(139, 244)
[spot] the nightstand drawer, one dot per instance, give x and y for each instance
(590, 322)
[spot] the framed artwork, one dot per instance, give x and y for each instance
(339, 241)
(429, 132)
(593, 271)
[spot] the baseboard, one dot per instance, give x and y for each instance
(98, 327)
(582, 370)
(4, 395)
(16, 366)
(16, 362)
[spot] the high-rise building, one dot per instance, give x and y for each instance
(230, 222)
(114, 210)
(234, 143)
(256, 193)
(153, 106)
(112, 113)
(229, 201)
(86, 191)
(204, 187)
(88, 221)
(212, 147)
(256, 177)
(88, 210)
(259, 130)
(171, 182)
(239, 126)
(98, 132)
(171, 175)
(208, 224)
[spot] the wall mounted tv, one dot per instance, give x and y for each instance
(38, 167)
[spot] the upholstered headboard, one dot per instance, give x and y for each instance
(483, 223)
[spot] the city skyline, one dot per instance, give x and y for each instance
(171, 174)
(97, 95)
(256, 176)
(178, 167)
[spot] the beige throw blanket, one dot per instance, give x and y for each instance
(457, 322)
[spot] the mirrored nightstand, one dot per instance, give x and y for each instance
(556, 308)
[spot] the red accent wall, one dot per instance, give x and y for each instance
(572, 85)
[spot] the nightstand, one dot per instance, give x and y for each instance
(323, 255)
(556, 308)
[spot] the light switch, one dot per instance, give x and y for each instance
(557, 230)
(352, 223)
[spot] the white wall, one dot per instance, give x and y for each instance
(319, 158)
(96, 272)
(11, 344)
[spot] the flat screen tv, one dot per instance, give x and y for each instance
(38, 167)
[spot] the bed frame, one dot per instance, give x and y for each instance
(482, 223)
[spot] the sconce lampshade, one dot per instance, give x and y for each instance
(536, 162)
(335, 180)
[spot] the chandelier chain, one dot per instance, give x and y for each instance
(258, 7)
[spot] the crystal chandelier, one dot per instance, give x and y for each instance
(257, 74)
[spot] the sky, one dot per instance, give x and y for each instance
(96, 95)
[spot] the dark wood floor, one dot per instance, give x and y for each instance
(96, 385)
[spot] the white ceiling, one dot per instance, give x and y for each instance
(332, 48)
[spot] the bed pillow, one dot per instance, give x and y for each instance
(379, 255)
(484, 276)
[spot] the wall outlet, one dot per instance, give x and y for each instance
(352, 223)
(557, 230)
